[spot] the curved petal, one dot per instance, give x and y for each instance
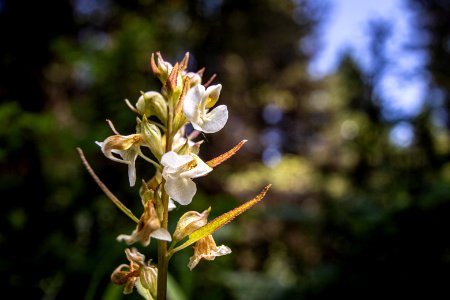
(193, 261)
(191, 103)
(132, 173)
(212, 95)
(109, 153)
(201, 169)
(189, 222)
(172, 161)
(197, 126)
(180, 189)
(129, 239)
(215, 120)
(161, 234)
(172, 205)
(222, 250)
(130, 157)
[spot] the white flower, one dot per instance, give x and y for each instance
(178, 171)
(196, 104)
(128, 147)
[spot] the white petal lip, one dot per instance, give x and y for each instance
(215, 120)
(161, 234)
(192, 101)
(179, 184)
(172, 205)
(200, 170)
(173, 161)
(132, 174)
(222, 250)
(180, 189)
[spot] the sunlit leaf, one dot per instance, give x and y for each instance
(220, 221)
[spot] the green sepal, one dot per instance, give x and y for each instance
(220, 221)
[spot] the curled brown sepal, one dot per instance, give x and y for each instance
(126, 278)
(223, 157)
(157, 67)
(137, 273)
(128, 274)
(153, 65)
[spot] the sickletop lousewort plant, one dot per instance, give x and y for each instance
(161, 127)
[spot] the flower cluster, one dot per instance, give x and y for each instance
(184, 104)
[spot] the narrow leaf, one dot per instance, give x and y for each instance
(103, 187)
(223, 157)
(220, 221)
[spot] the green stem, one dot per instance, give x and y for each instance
(157, 166)
(162, 245)
(162, 252)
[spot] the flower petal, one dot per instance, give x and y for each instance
(132, 173)
(172, 161)
(215, 120)
(222, 250)
(172, 205)
(130, 157)
(191, 103)
(180, 189)
(109, 153)
(201, 169)
(161, 234)
(206, 249)
(189, 222)
(129, 239)
(212, 95)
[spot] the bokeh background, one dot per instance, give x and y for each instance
(360, 203)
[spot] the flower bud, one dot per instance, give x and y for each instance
(160, 67)
(148, 278)
(152, 137)
(189, 222)
(195, 78)
(174, 84)
(152, 104)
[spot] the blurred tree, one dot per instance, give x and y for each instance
(351, 213)
(433, 31)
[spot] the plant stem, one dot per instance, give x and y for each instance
(162, 245)
(162, 252)
(103, 187)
